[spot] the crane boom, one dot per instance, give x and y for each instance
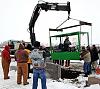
(45, 6)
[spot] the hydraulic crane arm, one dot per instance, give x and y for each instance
(45, 6)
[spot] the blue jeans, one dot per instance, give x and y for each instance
(87, 67)
(39, 73)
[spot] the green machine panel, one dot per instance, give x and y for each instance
(65, 56)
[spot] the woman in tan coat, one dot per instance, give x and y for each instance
(86, 56)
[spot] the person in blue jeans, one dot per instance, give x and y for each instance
(87, 68)
(86, 56)
(39, 73)
(38, 56)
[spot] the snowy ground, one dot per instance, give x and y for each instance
(51, 84)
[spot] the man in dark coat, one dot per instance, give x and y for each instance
(94, 57)
(67, 48)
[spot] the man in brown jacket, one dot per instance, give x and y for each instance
(22, 66)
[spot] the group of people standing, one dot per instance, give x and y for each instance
(22, 59)
(25, 56)
(90, 57)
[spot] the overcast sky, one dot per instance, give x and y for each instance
(15, 16)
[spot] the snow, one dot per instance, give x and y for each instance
(51, 84)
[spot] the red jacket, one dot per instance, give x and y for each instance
(6, 53)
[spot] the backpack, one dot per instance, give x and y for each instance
(36, 54)
(37, 58)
